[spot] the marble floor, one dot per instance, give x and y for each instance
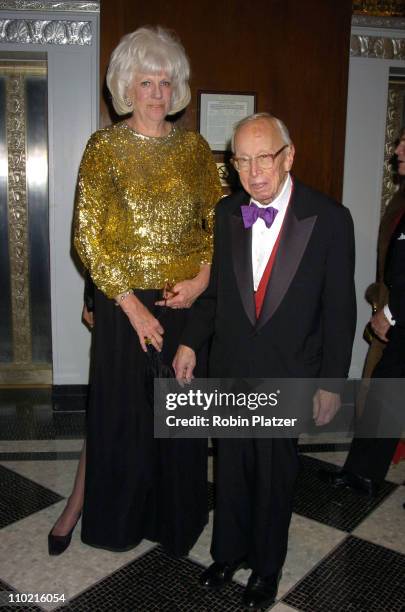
(346, 552)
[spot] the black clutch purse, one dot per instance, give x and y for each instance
(155, 369)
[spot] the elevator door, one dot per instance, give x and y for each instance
(25, 317)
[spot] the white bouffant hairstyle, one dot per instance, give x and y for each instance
(149, 51)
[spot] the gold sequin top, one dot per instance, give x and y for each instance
(144, 208)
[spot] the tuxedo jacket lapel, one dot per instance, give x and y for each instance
(294, 239)
(242, 262)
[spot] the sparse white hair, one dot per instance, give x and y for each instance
(285, 135)
(149, 50)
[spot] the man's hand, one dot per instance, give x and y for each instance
(184, 363)
(325, 406)
(380, 325)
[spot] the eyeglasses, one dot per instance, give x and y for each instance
(265, 161)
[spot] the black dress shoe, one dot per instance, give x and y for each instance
(261, 591)
(219, 574)
(342, 478)
(58, 544)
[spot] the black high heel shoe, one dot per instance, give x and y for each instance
(58, 544)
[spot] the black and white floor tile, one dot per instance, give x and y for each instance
(346, 552)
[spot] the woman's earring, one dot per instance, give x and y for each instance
(128, 102)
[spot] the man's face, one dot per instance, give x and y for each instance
(261, 137)
(400, 153)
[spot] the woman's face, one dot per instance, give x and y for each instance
(151, 95)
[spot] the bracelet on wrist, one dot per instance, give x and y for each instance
(122, 296)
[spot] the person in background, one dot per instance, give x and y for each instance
(143, 224)
(369, 458)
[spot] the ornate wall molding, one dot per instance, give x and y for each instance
(367, 21)
(362, 45)
(30, 31)
(395, 102)
(38, 5)
(18, 217)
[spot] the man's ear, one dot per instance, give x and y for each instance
(289, 158)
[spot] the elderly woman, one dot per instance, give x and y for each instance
(143, 228)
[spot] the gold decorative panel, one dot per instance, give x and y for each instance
(17, 217)
(383, 8)
(395, 118)
(23, 169)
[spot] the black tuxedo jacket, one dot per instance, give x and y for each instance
(307, 322)
(394, 274)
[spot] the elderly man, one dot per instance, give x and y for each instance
(280, 304)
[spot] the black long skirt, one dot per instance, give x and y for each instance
(137, 486)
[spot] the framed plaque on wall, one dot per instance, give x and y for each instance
(218, 112)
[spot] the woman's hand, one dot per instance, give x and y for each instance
(380, 325)
(184, 293)
(142, 320)
(88, 317)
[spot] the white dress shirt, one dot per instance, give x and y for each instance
(264, 238)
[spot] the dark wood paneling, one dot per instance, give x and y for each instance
(294, 54)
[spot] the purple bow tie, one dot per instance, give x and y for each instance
(250, 214)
